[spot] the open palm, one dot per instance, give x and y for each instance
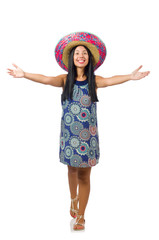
(17, 72)
(136, 75)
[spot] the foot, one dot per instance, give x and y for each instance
(80, 223)
(74, 208)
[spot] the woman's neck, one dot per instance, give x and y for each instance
(80, 74)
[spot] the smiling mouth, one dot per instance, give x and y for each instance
(81, 61)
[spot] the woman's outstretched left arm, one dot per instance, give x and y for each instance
(135, 75)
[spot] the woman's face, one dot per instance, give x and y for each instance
(81, 57)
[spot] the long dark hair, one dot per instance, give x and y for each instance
(72, 74)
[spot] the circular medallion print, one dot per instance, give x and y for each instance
(84, 114)
(92, 130)
(92, 120)
(84, 134)
(68, 152)
(68, 119)
(93, 142)
(66, 134)
(76, 127)
(85, 101)
(83, 148)
(74, 108)
(91, 153)
(92, 162)
(74, 142)
(76, 160)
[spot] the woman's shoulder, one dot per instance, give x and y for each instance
(98, 78)
(64, 76)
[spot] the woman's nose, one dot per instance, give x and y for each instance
(81, 55)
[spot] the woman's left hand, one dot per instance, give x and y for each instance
(136, 75)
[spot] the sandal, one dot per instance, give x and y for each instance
(80, 224)
(72, 209)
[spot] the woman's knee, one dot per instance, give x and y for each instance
(84, 175)
(72, 170)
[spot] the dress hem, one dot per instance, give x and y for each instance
(79, 167)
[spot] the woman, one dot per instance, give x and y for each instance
(80, 54)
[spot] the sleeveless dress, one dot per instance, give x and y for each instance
(79, 139)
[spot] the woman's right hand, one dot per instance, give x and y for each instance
(17, 73)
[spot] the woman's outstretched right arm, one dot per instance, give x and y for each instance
(57, 81)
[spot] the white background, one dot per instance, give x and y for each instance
(34, 192)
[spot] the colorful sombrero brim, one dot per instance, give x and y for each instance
(94, 44)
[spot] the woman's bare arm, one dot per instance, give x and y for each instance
(57, 81)
(135, 75)
(102, 82)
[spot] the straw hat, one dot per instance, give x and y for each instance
(92, 42)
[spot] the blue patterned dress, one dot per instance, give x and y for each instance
(79, 142)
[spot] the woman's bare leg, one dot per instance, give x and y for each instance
(84, 190)
(73, 183)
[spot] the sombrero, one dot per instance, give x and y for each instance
(91, 41)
